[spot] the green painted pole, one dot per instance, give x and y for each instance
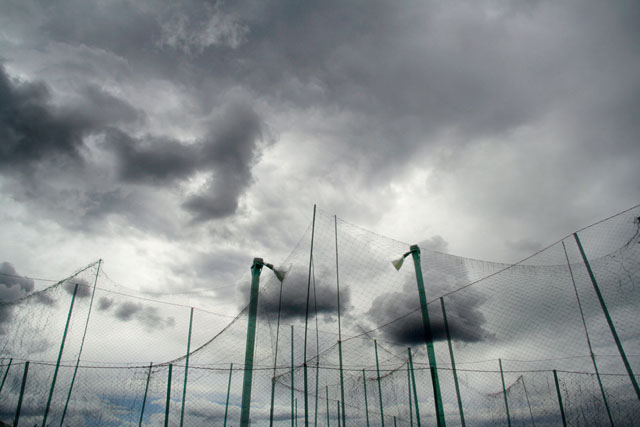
(55, 372)
(409, 389)
(453, 361)
(344, 417)
(394, 421)
(166, 409)
(339, 417)
(84, 334)
(186, 369)
(256, 269)
(144, 399)
(292, 379)
(275, 359)
(609, 320)
(24, 383)
(4, 377)
(504, 392)
(375, 344)
(226, 405)
(327, 393)
(586, 333)
(428, 335)
(415, 389)
(306, 322)
(555, 378)
(366, 403)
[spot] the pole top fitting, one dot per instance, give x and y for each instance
(257, 262)
(415, 248)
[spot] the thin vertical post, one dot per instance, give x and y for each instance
(292, 378)
(315, 310)
(144, 399)
(226, 405)
(256, 269)
(375, 344)
(84, 335)
(296, 405)
(275, 359)
(453, 361)
(528, 403)
(555, 378)
(186, 368)
(339, 418)
(504, 392)
(344, 421)
(166, 408)
(306, 324)
(24, 383)
(55, 372)
(609, 321)
(4, 377)
(409, 390)
(415, 389)
(326, 389)
(366, 402)
(586, 333)
(394, 421)
(428, 336)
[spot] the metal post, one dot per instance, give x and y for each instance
(327, 394)
(306, 321)
(366, 403)
(166, 409)
(609, 321)
(453, 362)
(375, 344)
(292, 378)
(73, 379)
(24, 383)
(226, 405)
(256, 269)
(4, 377)
(415, 390)
(275, 359)
(528, 403)
(555, 378)
(338, 407)
(344, 421)
(409, 389)
(186, 368)
(144, 399)
(55, 372)
(504, 392)
(428, 335)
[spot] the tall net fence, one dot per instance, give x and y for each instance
(342, 341)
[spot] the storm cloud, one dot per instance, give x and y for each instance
(149, 317)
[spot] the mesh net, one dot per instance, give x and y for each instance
(101, 356)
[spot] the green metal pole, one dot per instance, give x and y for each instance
(275, 358)
(394, 421)
(186, 369)
(409, 389)
(338, 407)
(504, 392)
(166, 409)
(4, 377)
(256, 269)
(453, 361)
(24, 383)
(344, 417)
(609, 321)
(366, 403)
(375, 344)
(415, 251)
(306, 321)
(146, 390)
(84, 334)
(327, 393)
(55, 372)
(292, 379)
(555, 377)
(415, 389)
(586, 333)
(226, 405)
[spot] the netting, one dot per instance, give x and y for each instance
(551, 338)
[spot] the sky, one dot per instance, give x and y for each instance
(178, 140)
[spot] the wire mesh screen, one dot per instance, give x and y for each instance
(344, 340)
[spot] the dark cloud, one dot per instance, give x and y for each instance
(84, 289)
(104, 303)
(12, 287)
(148, 316)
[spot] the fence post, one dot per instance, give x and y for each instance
(555, 378)
(344, 417)
(366, 402)
(24, 382)
(606, 315)
(226, 405)
(375, 343)
(415, 252)
(409, 389)
(55, 372)
(4, 377)
(306, 322)
(144, 399)
(292, 379)
(166, 409)
(504, 393)
(327, 394)
(186, 369)
(256, 269)
(453, 362)
(415, 390)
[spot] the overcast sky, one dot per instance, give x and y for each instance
(177, 140)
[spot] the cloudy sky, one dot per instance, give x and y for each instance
(177, 140)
